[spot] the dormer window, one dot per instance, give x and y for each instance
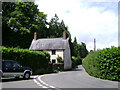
(53, 52)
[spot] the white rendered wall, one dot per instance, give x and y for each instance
(58, 53)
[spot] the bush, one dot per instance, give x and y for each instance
(34, 59)
(59, 59)
(57, 67)
(76, 61)
(104, 63)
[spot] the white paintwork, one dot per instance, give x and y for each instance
(26, 71)
(58, 53)
(12, 74)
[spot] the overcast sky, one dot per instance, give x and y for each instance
(86, 20)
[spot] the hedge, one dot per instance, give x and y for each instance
(36, 60)
(104, 64)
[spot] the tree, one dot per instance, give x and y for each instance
(20, 20)
(75, 47)
(79, 50)
(82, 50)
(56, 28)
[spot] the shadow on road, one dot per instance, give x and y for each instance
(13, 79)
(77, 68)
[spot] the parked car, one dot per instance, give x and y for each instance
(11, 68)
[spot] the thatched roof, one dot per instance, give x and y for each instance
(48, 44)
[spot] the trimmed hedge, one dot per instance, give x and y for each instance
(34, 59)
(104, 64)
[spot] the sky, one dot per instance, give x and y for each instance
(86, 19)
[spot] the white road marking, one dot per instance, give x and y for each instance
(45, 85)
(44, 82)
(38, 82)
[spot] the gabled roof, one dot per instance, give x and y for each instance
(48, 44)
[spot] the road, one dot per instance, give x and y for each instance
(19, 83)
(76, 78)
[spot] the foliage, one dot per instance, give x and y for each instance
(56, 28)
(21, 19)
(104, 63)
(82, 51)
(76, 61)
(56, 67)
(90, 64)
(33, 59)
(75, 48)
(79, 49)
(59, 59)
(19, 22)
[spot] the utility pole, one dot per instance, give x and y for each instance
(94, 44)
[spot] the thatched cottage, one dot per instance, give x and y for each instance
(55, 47)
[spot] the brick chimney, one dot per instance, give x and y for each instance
(35, 35)
(64, 35)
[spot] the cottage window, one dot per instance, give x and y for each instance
(53, 61)
(53, 52)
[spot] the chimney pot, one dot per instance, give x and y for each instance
(35, 36)
(64, 35)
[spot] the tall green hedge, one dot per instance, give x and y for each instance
(104, 64)
(34, 59)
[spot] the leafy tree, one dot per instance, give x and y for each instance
(79, 50)
(20, 20)
(82, 50)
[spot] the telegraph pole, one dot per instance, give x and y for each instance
(94, 44)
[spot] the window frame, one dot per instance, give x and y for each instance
(53, 52)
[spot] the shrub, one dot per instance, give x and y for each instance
(33, 59)
(59, 59)
(104, 63)
(76, 61)
(109, 63)
(56, 67)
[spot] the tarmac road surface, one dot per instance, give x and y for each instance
(77, 78)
